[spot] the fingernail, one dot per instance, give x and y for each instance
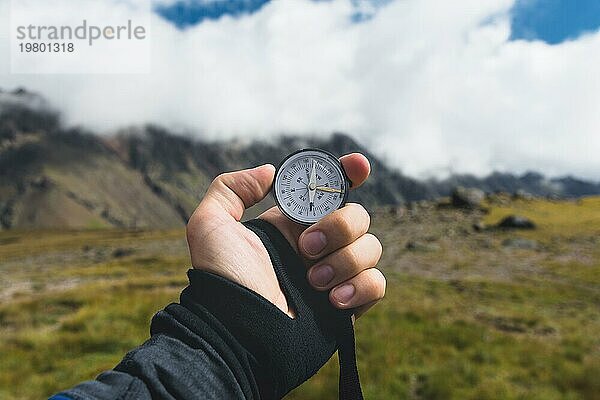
(314, 242)
(321, 275)
(343, 294)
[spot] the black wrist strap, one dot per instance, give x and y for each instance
(349, 387)
(300, 295)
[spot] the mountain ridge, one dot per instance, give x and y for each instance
(57, 177)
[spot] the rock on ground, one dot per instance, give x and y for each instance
(469, 198)
(516, 222)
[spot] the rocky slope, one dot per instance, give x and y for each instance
(54, 177)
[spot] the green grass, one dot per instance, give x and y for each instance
(471, 320)
(440, 340)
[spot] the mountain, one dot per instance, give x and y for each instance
(530, 182)
(52, 176)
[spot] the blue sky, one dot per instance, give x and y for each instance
(185, 13)
(188, 13)
(552, 21)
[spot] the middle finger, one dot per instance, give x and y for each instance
(334, 231)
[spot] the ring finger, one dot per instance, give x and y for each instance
(343, 264)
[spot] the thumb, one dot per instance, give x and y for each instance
(233, 192)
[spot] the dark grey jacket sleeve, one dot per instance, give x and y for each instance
(223, 341)
(190, 354)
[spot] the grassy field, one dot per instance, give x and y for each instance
(468, 314)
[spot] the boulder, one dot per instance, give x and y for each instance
(516, 222)
(122, 252)
(469, 198)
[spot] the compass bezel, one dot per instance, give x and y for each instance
(334, 160)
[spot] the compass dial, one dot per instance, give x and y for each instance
(310, 184)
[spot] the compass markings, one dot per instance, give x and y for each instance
(295, 199)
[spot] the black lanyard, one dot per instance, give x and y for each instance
(349, 380)
(291, 276)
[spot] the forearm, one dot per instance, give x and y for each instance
(190, 354)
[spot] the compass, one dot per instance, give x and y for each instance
(309, 184)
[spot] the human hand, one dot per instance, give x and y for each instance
(220, 244)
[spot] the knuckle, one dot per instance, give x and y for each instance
(352, 258)
(371, 246)
(374, 284)
(220, 178)
(367, 217)
(223, 179)
(342, 225)
(361, 214)
(350, 221)
(382, 284)
(377, 243)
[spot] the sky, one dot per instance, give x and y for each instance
(432, 87)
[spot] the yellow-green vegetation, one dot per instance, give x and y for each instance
(466, 316)
(561, 219)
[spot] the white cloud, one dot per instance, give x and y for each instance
(424, 83)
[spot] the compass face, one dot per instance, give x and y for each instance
(310, 184)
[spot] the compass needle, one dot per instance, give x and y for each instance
(328, 189)
(312, 184)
